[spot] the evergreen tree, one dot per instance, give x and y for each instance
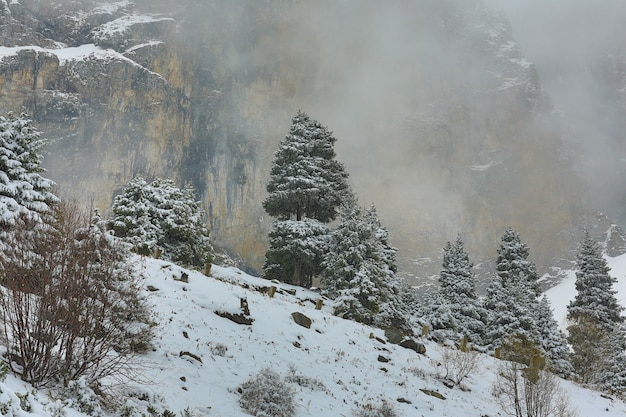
(511, 300)
(595, 298)
(25, 195)
(359, 269)
(306, 182)
(552, 340)
(291, 240)
(158, 216)
(456, 309)
(595, 315)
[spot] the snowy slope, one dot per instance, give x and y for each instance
(219, 355)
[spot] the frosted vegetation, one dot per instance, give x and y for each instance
(100, 317)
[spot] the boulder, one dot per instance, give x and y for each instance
(301, 319)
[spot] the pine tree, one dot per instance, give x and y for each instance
(595, 315)
(306, 182)
(25, 195)
(359, 269)
(511, 300)
(456, 307)
(160, 216)
(552, 340)
(595, 297)
(291, 240)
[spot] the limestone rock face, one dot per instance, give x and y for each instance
(440, 121)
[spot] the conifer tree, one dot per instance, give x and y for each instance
(160, 216)
(512, 297)
(456, 307)
(306, 182)
(596, 297)
(25, 195)
(359, 268)
(552, 340)
(595, 315)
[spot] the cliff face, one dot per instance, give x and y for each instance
(441, 122)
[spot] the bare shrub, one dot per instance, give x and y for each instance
(266, 395)
(294, 377)
(523, 388)
(71, 308)
(457, 364)
(370, 410)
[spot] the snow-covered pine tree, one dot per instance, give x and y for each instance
(161, 215)
(596, 296)
(306, 182)
(359, 269)
(511, 300)
(292, 240)
(456, 309)
(25, 195)
(596, 312)
(552, 340)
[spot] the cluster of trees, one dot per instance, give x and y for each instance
(356, 264)
(70, 305)
(513, 304)
(307, 190)
(159, 218)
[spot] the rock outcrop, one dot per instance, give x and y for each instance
(440, 120)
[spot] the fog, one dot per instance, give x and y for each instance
(579, 48)
(441, 119)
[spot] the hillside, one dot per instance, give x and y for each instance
(201, 358)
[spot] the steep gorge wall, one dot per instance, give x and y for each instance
(441, 123)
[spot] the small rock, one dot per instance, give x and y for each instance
(413, 345)
(301, 319)
(381, 358)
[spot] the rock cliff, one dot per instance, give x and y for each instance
(441, 121)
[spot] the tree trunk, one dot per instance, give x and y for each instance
(297, 273)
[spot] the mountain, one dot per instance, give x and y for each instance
(201, 358)
(441, 121)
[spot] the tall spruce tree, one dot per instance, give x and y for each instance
(595, 314)
(511, 299)
(24, 192)
(306, 184)
(26, 198)
(359, 269)
(456, 308)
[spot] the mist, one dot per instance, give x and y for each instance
(443, 121)
(440, 118)
(579, 48)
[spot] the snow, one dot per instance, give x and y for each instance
(78, 53)
(340, 355)
(123, 24)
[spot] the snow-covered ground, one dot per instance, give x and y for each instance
(201, 358)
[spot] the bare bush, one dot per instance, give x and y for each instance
(523, 388)
(72, 307)
(370, 410)
(522, 396)
(457, 364)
